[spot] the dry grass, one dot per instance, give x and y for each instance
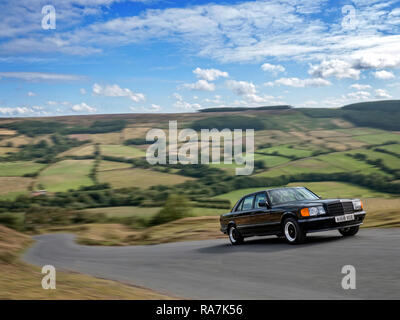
(84, 150)
(22, 281)
(7, 132)
(137, 132)
(187, 229)
(17, 141)
(13, 185)
(104, 138)
(382, 212)
(112, 165)
(5, 150)
(11, 244)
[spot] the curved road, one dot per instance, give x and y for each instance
(264, 268)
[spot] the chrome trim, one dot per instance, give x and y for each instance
(257, 225)
(329, 217)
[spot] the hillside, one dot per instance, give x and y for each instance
(98, 161)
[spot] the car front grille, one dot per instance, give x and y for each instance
(340, 208)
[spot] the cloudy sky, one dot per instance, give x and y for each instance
(117, 56)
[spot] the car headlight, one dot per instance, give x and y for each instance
(357, 205)
(313, 211)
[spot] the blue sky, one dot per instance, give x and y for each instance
(116, 56)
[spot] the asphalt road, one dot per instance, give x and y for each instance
(264, 268)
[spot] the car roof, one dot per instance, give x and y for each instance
(270, 189)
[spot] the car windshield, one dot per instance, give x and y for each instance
(279, 196)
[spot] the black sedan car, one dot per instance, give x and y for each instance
(291, 213)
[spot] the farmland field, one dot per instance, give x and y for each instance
(379, 138)
(136, 177)
(113, 165)
(66, 174)
(121, 151)
(79, 151)
(5, 150)
(19, 168)
(285, 150)
(11, 187)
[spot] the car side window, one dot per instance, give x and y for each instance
(239, 207)
(260, 197)
(248, 203)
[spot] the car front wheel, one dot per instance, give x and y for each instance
(234, 236)
(350, 231)
(293, 232)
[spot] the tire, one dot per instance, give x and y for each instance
(234, 236)
(350, 231)
(292, 231)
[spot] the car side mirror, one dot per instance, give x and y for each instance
(263, 204)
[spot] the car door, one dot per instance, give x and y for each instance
(265, 220)
(243, 214)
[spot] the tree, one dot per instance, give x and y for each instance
(176, 207)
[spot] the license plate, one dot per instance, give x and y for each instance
(346, 217)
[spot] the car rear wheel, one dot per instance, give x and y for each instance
(234, 236)
(293, 232)
(350, 231)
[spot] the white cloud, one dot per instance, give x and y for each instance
(31, 94)
(249, 92)
(359, 95)
(358, 86)
(15, 111)
(40, 76)
(82, 90)
(154, 108)
(302, 83)
(116, 91)
(180, 103)
(200, 85)
(272, 68)
(241, 88)
(384, 75)
(83, 107)
(382, 94)
(334, 68)
(210, 74)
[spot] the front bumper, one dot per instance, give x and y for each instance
(328, 222)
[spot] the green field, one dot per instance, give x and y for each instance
(390, 161)
(137, 177)
(19, 168)
(84, 150)
(12, 187)
(395, 148)
(326, 163)
(285, 150)
(66, 174)
(113, 165)
(379, 138)
(121, 151)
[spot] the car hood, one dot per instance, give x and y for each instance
(309, 203)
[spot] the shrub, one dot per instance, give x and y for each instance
(176, 207)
